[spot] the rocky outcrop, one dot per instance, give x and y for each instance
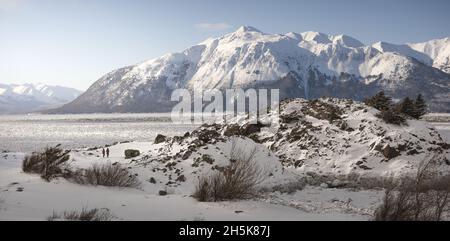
(160, 138)
(328, 135)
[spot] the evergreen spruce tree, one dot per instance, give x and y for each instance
(407, 107)
(420, 107)
(392, 117)
(379, 101)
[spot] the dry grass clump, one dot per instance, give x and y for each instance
(239, 180)
(111, 175)
(51, 163)
(84, 214)
(422, 198)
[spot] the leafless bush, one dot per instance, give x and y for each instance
(107, 174)
(239, 180)
(425, 197)
(85, 214)
(50, 163)
(208, 188)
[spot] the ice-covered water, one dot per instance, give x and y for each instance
(444, 129)
(27, 133)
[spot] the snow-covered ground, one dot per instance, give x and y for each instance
(28, 197)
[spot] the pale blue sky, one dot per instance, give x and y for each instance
(74, 42)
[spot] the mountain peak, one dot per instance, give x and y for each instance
(317, 37)
(347, 41)
(246, 28)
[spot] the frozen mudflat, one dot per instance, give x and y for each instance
(444, 129)
(27, 133)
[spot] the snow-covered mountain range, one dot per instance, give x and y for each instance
(307, 65)
(34, 97)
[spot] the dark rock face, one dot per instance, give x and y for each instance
(181, 178)
(390, 152)
(208, 135)
(160, 138)
(246, 130)
(249, 129)
(232, 130)
(130, 153)
(186, 155)
(208, 159)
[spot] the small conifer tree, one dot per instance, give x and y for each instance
(379, 101)
(420, 107)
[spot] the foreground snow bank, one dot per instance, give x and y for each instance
(28, 197)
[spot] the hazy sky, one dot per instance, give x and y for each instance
(74, 42)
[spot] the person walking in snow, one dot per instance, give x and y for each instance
(107, 152)
(103, 152)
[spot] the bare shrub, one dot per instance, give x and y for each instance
(425, 197)
(204, 188)
(85, 214)
(50, 163)
(239, 180)
(113, 175)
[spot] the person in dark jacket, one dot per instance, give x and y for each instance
(103, 152)
(107, 152)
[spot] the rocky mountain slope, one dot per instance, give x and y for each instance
(438, 50)
(307, 65)
(33, 97)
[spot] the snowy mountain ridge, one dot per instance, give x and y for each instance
(313, 63)
(31, 97)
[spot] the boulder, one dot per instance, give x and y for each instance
(181, 178)
(160, 138)
(289, 118)
(208, 135)
(130, 153)
(390, 152)
(249, 129)
(186, 155)
(232, 130)
(207, 158)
